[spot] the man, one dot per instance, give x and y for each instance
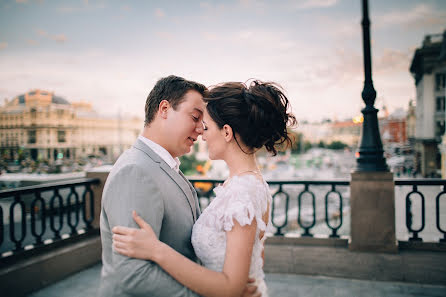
(146, 178)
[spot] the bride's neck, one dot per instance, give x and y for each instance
(240, 163)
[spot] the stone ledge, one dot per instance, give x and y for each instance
(308, 241)
(33, 273)
(422, 246)
(413, 266)
(371, 176)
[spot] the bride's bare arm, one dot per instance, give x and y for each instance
(143, 244)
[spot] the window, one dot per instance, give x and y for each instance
(439, 131)
(32, 136)
(440, 81)
(440, 104)
(61, 136)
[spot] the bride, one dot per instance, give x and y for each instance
(228, 236)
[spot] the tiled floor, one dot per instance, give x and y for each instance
(85, 283)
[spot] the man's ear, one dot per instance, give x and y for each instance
(163, 107)
(227, 133)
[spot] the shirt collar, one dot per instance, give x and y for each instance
(173, 163)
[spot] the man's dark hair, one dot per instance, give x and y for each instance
(171, 88)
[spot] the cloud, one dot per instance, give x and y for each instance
(159, 13)
(278, 42)
(309, 4)
(393, 61)
(257, 5)
(165, 35)
(339, 29)
(61, 38)
(32, 42)
(3, 45)
(205, 5)
(68, 9)
(126, 8)
(419, 16)
(212, 10)
(94, 71)
(84, 6)
(41, 32)
(209, 36)
(21, 1)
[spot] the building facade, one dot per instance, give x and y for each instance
(393, 128)
(43, 126)
(347, 131)
(429, 71)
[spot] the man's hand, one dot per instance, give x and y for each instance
(250, 289)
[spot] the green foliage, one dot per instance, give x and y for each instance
(189, 164)
(337, 145)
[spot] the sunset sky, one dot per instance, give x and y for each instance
(112, 52)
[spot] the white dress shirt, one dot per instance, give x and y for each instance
(173, 163)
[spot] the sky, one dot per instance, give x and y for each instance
(111, 53)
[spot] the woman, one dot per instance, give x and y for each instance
(228, 236)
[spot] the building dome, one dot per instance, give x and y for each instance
(59, 100)
(41, 96)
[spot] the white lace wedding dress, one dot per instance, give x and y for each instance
(243, 198)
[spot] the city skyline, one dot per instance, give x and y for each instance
(111, 53)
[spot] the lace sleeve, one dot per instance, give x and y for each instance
(245, 200)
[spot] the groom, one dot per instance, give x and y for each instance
(146, 178)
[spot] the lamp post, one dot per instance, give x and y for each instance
(371, 153)
(372, 189)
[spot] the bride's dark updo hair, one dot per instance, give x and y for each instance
(256, 113)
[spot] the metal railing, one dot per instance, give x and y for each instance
(307, 216)
(65, 208)
(415, 184)
(333, 194)
(52, 212)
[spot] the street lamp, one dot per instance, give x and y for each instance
(372, 189)
(371, 153)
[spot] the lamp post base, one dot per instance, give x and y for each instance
(372, 202)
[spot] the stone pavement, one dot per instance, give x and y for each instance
(85, 284)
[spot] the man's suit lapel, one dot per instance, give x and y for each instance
(194, 194)
(182, 183)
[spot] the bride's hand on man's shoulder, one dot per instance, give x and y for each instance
(136, 243)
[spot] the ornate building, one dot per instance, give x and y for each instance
(393, 128)
(429, 71)
(44, 126)
(347, 131)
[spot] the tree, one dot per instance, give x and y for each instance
(189, 164)
(337, 145)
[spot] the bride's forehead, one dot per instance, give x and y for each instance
(206, 114)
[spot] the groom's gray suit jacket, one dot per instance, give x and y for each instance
(140, 180)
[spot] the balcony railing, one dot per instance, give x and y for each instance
(39, 215)
(43, 214)
(421, 213)
(300, 194)
(327, 202)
